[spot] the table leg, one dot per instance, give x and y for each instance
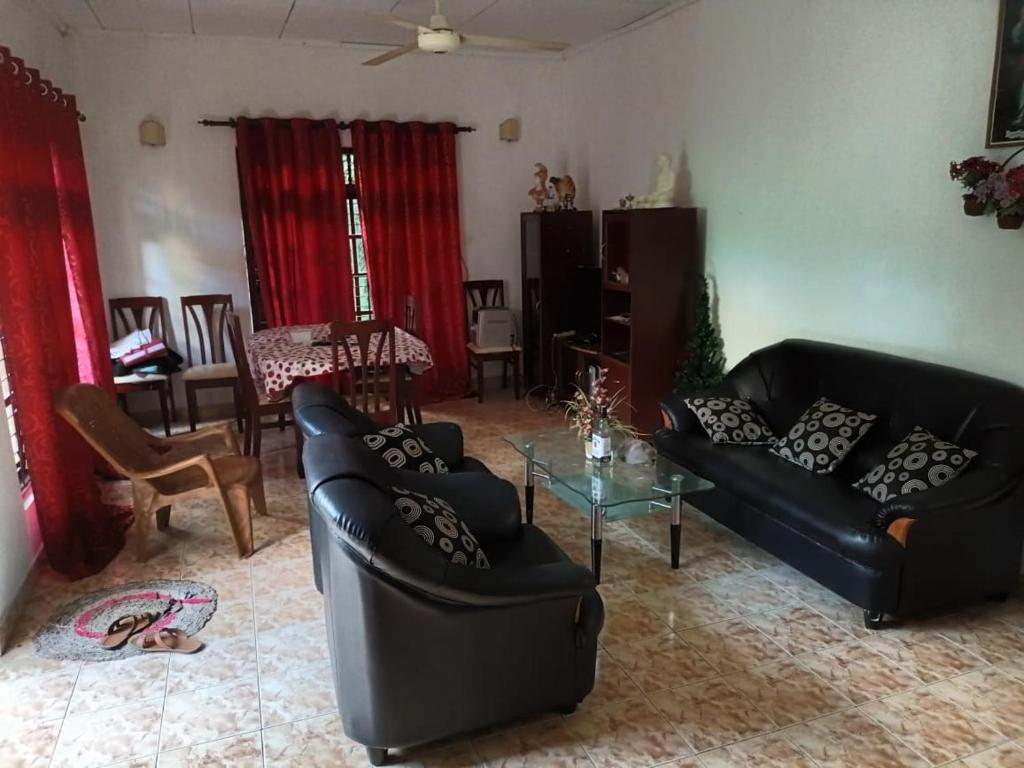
(676, 525)
(596, 538)
(529, 484)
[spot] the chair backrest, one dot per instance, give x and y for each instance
(207, 315)
(482, 293)
(138, 313)
(109, 430)
(411, 315)
(246, 382)
(367, 350)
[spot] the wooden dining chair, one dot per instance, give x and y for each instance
(206, 315)
(360, 370)
(135, 314)
(409, 394)
(254, 400)
(481, 294)
(164, 471)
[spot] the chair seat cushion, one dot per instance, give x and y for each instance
(138, 378)
(491, 350)
(212, 371)
(435, 521)
(402, 448)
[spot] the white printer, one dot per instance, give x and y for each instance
(494, 327)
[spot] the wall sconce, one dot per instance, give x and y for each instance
(509, 130)
(152, 134)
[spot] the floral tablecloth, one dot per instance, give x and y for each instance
(278, 362)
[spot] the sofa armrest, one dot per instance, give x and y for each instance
(974, 490)
(444, 438)
(516, 586)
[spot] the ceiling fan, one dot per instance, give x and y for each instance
(439, 37)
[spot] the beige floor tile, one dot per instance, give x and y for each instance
(850, 739)
(991, 695)
(927, 657)
(799, 630)
(631, 621)
(711, 562)
(107, 684)
(1008, 755)
(27, 744)
(630, 734)
(762, 752)
(37, 697)
(711, 714)
(222, 660)
(788, 693)
(284, 608)
(245, 751)
(986, 637)
(611, 684)
(747, 593)
(858, 672)
(932, 726)
(661, 662)
(210, 714)
(298, 694)
(686, 607)
(547, 744)
(731, 646)
(109, 736)
(296, 645)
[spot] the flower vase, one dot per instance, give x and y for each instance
(1009, 220)
(973, 206)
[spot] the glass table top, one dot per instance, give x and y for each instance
(625, 490)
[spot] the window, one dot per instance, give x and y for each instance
(360, 277)
(11, 414)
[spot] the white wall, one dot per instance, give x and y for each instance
(30, 36)
(168, 219)
(817, 135)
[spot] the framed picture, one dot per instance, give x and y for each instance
(1006, 107)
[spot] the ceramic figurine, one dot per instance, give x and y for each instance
(565, 192)
(539, 191)
(664, 193)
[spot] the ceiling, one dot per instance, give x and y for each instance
(348, 21)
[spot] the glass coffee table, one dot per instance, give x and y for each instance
(615, 491)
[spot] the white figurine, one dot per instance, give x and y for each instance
(664, 192)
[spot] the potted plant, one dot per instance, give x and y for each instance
(972, 174)
(1010, 199)
(584, 409)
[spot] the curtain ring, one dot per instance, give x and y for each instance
(28, 77)
(43, 89)
(15, 67)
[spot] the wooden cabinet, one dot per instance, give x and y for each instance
(558, 256)
(650, 260)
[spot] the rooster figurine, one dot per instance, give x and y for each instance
(565, 192)
(539, 191)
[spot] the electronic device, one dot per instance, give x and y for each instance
(495, 327)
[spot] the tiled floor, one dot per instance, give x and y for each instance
(733, 660)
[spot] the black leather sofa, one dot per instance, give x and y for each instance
(422, 648)
(319, 410)
(961, 541)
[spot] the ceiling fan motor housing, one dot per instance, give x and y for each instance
(440, 38)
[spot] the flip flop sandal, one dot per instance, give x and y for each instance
(167, 640)
(126, 626)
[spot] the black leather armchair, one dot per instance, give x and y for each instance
(422, 648)
(958, 542)
(318, 410)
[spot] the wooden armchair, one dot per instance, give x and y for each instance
(167, 470)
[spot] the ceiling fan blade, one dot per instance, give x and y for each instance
(392, 54)
(512, 43)
(399, 21)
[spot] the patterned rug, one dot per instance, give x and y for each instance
(75, 631)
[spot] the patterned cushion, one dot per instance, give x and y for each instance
(823, 436)
(434, 520)
(916, 463)
(730, 420)
(400, 447)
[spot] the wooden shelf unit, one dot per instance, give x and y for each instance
(658, 249)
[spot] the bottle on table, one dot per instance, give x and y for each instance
(601, 439)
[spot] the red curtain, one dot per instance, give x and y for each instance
(80, 534)
(294, 205)
(409, 199)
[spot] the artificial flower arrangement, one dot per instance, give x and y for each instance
(584, 409)
(991, 188)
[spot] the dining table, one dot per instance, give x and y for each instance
(281, 357)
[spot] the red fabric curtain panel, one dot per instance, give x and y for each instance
(409, 198)
(294, 189)
(80, 534)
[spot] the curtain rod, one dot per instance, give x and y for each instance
(233, 123)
